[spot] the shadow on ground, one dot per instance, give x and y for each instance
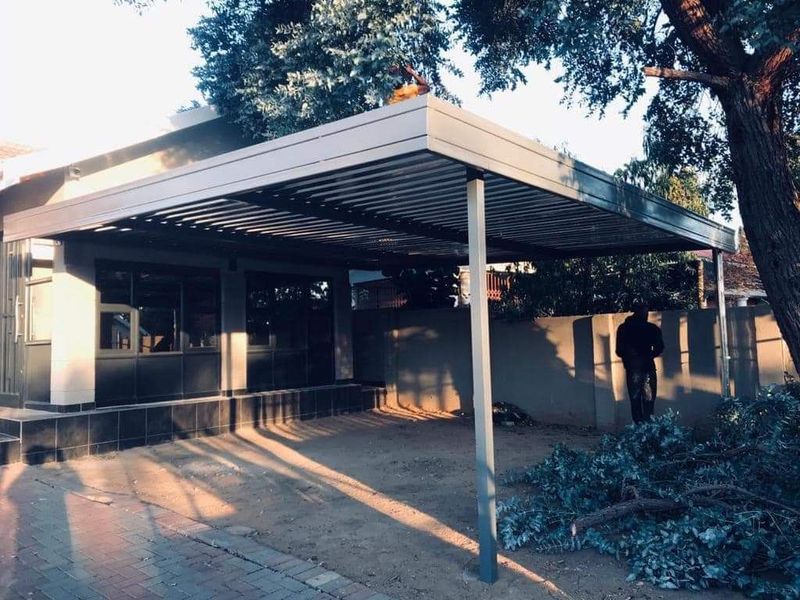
(386, 498)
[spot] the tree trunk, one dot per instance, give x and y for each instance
(768, 200)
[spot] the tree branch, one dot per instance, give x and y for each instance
(775, 65)
(692, 20)
(704, 78)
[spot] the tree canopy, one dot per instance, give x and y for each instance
(279, 66)
(603, 46)
(611, 284)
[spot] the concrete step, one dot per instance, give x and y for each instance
(9, 449)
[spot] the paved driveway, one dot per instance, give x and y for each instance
(62, 543)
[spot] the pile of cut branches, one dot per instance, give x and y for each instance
(684, 514)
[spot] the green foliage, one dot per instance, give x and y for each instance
(610, 284)
(426, 288)
(279, 66)
(681, 187)
(613, 283)
(602, 46)
(735, 500)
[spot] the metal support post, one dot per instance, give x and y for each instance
(722, 322)
(481, 378)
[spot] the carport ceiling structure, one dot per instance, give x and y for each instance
(421, 182)
(384, 187)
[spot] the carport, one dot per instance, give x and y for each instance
(422, 182)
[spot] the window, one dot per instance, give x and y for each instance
(116, 330)
(157, 309)
(39, 291)
(40, 311)
(158, 300)
(201, 303)
(290, 328)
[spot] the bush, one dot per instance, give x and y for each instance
(725, 512)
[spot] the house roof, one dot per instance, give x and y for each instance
(21, 166)
(12, 149)
(385, 186)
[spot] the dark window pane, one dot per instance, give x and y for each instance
(294, 316)
(40, 311)
(288, 317)
(258, 314)
(115, 331)
(158, 297)
(200, 301)
(114, 286)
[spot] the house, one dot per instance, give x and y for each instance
(188, 283)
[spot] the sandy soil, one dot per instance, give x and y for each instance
(383, 498)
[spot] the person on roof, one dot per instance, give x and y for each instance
(638, 343)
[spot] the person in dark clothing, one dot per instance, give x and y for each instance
(638, 343)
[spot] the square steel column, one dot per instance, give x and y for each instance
(722, 322)
(481, 378)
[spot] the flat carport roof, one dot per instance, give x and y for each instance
(419, 182)
(385, 187)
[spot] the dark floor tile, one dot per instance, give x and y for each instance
(325, 401)
(228, 414)
(354, 402)
(9, 452)
(159, 420)
(124, 444)
(39, 457)
(38, 436)
(73, 453)
(184, 421)
(9, 427)
(249, 409)
(132, 424)
(152, 440)
(207, 416)
(105, 447)
(104, 427)
(72, 431)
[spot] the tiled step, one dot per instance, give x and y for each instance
(9, 449)
(35, 436)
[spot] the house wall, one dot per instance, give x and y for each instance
(74, 341)
(563, 369)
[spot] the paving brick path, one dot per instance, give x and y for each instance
(61, 543)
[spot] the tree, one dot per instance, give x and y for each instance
(728, 100)
(612, 284)
(425, 288)
(279, 66)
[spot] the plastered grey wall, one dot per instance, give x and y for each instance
(563, 369)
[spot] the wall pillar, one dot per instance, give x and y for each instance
(343, 328)
(605, 364)
(233, 338)
(74, 330)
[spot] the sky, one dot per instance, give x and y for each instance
(77, 72)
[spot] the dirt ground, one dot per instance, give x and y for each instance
(386, 498)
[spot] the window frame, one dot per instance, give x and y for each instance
(118, 308)
(179, 272)
(30, 282)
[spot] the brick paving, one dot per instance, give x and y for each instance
(58, 543)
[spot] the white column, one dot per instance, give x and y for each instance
(233, 342)
(74, 333)
(481, 378)
(722, 323)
